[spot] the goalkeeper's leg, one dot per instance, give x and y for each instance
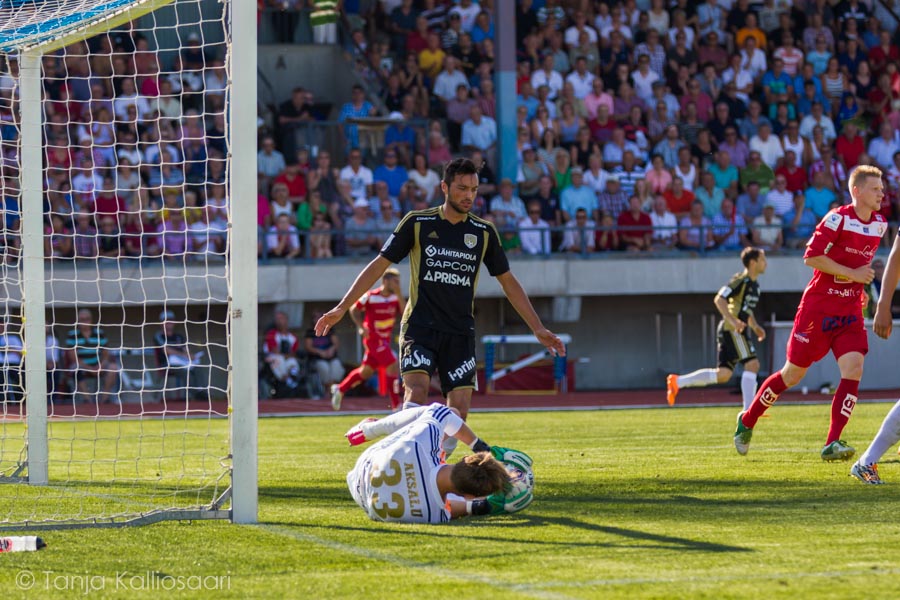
(368, 429)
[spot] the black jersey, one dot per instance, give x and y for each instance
(444, 260)
(742, 294)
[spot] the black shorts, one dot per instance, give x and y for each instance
(734, 347)
(424, 350)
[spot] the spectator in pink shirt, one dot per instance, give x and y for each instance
(658, 176)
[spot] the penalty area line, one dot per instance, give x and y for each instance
(531, 590)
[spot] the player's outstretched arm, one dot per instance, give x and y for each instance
(883, 317)
(520, 301)
(364, 281)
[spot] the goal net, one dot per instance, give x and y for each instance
(123, 125)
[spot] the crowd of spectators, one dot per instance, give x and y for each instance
(134, 150)
(642, 124)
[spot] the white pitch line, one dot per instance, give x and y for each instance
(434, 570)
(714, 579)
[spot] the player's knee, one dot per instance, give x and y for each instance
(853, 370)
(455, 411)
(751, 366)
(723, 374)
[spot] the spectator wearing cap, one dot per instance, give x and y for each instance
(468, 12)
(766, 232)
(449, 37)
(799, 224)
(530, 172)
(358, 175)
(629, 172)
(578, 195)
(534, 232)
(400, 137)
(506, 207)
(612, 201)
(359, 230)
(172, 348)
(392, 173)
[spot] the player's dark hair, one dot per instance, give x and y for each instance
(749, 253)
(479, 474)
(460, 166)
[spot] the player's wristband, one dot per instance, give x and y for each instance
(480, 445)
(478, 507)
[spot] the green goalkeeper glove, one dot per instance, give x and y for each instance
(515, 458)
(500, 503)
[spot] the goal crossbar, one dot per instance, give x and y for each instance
(26, 27)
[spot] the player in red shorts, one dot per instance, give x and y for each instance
(374, 315)
(830, 313)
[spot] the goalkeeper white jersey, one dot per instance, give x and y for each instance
(396, 478)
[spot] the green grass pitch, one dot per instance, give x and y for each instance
(629, 504)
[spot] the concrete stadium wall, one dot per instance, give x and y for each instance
(611, 308)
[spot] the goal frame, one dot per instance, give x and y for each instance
(241, 264)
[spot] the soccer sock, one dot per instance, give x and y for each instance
(888, 435)
(353, 379)
(766, 396)
(700, 378)
(391, 423)
(748, 388)
(393, 391)
(842, 407)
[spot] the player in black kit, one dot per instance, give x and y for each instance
(446, 246)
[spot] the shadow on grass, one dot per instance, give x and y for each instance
(653, 541)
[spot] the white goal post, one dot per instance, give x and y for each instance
(132, 418)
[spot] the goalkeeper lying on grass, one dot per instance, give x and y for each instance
(404, 478)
